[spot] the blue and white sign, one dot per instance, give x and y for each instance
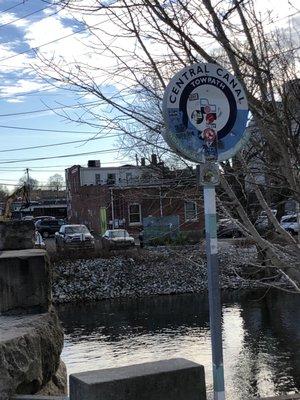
(205, 112)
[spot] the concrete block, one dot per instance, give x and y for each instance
(16, 235)
(175, 379)
(25, 281)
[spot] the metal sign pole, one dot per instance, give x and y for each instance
(206, 111)
(214, 290)
(209, 177)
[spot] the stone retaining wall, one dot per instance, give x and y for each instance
(31, 337)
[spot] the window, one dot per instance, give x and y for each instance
(120, 233)
(111, 179)
(289, 219)
(190, 211)
(97, 179)
(134, 211)
(76, 229)
(128, 177)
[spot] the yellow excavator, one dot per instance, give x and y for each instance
(23, 192)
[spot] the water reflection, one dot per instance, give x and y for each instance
(261, 338)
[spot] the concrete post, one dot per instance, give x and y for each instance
(25, 281)
(16, 235)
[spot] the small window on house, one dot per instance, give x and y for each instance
(128, 176)
(134, 211)
(190, 211)
(111, 179)
(97, 179)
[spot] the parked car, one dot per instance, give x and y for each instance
(74, 236)
(290, 223)
(27, 218)
(262, 222)
(42, 217)
(48, 227)
(228, 228)
(117, 238)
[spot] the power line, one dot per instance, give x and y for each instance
(40, 168)
(52, 41)
(22, 128)
(58, 144)
(65, 155)
(48, 109)
(10, 8)
(19, 184)
(27, 15)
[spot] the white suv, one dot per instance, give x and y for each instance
(290, 223)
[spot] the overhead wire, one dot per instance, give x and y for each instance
(10, 8)
(18, 184)
(27, 15)
(104, 151)
(48, 109)
(58, 144)
(23, 128)
(65, 166)
(51, 42)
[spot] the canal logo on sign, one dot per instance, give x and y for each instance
(206, 112)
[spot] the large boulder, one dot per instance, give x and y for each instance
(58, 384)
(30, 348)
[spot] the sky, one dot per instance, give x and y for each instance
(26, 100)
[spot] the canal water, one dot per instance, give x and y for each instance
(261, 337)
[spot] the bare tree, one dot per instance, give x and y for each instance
(56, 182)
(146, 42)
(3, 192)
(31, 182)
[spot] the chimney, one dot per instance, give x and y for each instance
(143, 162)
(94, 163)
(153, 159)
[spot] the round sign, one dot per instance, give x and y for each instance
(205, 112)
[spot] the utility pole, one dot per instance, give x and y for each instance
(27, 176)
(28, 183)
(160, 203)
(112, 208)
(26, 191)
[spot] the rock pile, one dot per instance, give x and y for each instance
(157, 271)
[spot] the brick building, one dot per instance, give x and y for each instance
(122, 196)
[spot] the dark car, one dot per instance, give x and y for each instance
(74, 237)
(48, 227)
(262, 224)
(116, 239)
(228, 228)
(42, 217)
